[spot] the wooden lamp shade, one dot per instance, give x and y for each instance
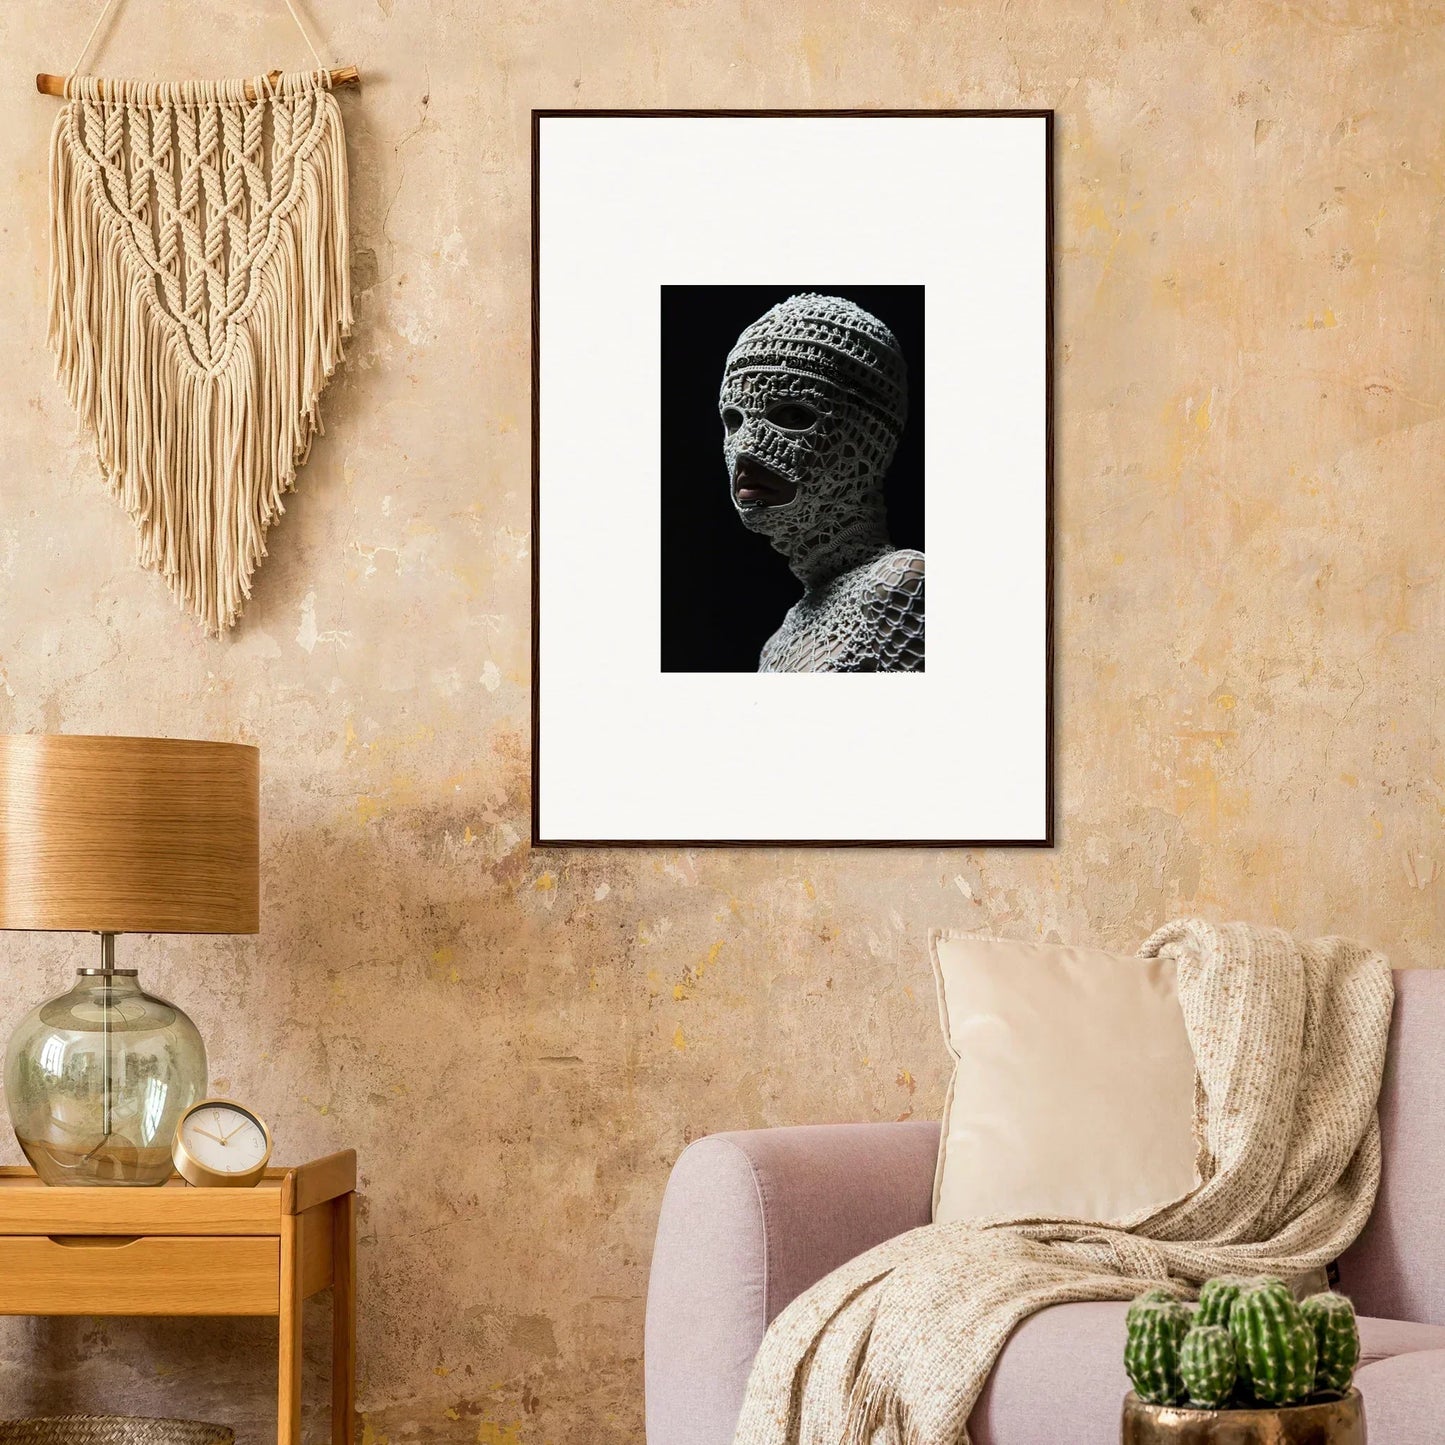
(129, 835)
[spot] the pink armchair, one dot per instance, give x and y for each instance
(751, 1219)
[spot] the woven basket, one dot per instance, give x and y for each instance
(112, 1430)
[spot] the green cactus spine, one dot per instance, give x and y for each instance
(1217, 1297)
(1153, 1297)
(1149, 1297)
(1207, 1365)
(1337, 1339)
(1156, 1329)
(1274, 1345)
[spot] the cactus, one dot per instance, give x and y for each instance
(1154, 1296)
(1217, 1297)
(1248, 1343)
(1337, 1339)
(1274, 1345)
(1207, 1365)
(1156, 1328)
(1149, 1297)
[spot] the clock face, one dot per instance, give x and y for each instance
(223, 1138)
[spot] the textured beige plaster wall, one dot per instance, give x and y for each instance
(1249, 626)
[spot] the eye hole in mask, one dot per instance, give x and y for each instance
(732, 418)
(792, 416)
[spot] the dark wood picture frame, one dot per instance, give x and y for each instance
(1048, 839)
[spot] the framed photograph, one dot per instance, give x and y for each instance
(780, 361)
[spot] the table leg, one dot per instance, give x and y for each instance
(343, 1321)
(288, 1372)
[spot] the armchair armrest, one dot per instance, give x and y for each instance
(748, 1222)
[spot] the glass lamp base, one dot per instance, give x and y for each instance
(119, 1163)
(97, 1080)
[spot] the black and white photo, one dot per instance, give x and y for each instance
(792, 479)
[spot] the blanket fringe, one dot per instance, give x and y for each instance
(876, 1415)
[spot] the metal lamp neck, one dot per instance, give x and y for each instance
(107, 960)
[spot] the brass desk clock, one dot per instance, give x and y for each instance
(221, 1144)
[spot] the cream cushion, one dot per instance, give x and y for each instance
(1073, 1084)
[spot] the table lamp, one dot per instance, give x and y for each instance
(118, 835)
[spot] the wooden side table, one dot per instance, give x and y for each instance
(182, 1251)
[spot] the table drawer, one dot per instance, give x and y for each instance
(151, 1275)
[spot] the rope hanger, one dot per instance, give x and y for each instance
(59, 85)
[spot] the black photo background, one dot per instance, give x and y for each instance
(724, 589)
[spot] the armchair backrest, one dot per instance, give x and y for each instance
(1397, 1266)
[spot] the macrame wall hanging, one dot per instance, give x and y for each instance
(200, 294)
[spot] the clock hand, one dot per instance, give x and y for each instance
(208, 1134)
(234, 1130)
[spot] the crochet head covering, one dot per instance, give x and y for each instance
(816, 392)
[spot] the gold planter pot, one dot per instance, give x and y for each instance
(1330, 1422)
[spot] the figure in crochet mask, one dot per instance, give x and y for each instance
(814, 398)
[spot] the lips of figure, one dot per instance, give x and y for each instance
(756, 486)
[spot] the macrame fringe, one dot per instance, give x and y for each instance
(201, 458)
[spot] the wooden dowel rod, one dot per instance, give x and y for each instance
(55, 84)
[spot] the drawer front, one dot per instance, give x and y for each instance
(152, 1275)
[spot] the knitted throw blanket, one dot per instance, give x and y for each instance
(1289, 1044)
